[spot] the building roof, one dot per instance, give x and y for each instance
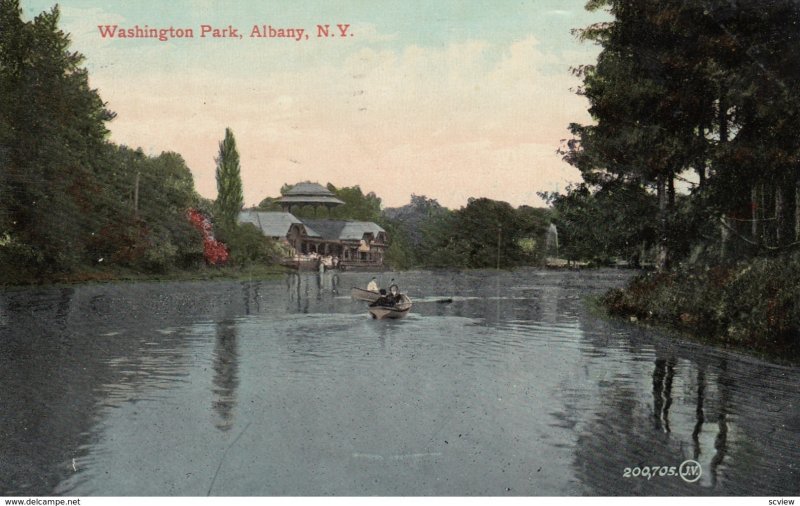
(310, 232)
(272, 224)
(357, 229)
(277, 224)
(310, 194)
(341, 230)
(309, 189)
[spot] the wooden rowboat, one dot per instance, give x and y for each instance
(364, 295)
(399, 310)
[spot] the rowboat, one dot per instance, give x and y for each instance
(399, 310)
(364, 295)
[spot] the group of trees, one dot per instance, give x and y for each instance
(423, 233)
(699, 94)
(484, 233)
(69, 198)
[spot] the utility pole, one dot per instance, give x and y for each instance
(497, 278)
(136, 197)
(499, 231)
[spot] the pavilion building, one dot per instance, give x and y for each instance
(341, 243)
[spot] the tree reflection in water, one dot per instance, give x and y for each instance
(663, 375)
(700, 415)
(721, 441)
(226, 373)
(625, 433)
(681, 412)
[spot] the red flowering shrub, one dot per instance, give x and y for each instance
(214, 251)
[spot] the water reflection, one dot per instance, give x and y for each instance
(721, 441)
(663, 376)
(226, 378)
(699, 413)
(69, 356)
(251, 296)
(294, 292)
(701, 406)
(335, 284)
(64, 304)
(41, 420)
(517, 391)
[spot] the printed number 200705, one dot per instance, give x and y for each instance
(649, 472)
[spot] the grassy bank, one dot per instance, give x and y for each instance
(115, 274)
(753, 304)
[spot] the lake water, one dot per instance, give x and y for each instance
(287, 387)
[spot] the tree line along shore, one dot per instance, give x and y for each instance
(78, 207)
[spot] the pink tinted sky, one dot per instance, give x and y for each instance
(452, 100)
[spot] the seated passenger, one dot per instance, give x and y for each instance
(383, 300)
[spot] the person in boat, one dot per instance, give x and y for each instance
(394, 294)
(373, 285)
(384, 300)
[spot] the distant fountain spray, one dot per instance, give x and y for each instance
(551, 241)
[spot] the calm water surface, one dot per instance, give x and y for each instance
(286, 387)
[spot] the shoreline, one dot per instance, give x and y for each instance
(749, 305)
(783, 356)
(90, 276)
(116, 275)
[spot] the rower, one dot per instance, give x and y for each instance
(394, 294)
(373, 285)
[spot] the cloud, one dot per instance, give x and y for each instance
(368, 32)
(82, 22)
(471, 118)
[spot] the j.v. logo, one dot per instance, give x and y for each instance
(690, 471)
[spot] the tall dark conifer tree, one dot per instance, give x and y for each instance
(230, 199)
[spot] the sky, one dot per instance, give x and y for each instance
(447, 99)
